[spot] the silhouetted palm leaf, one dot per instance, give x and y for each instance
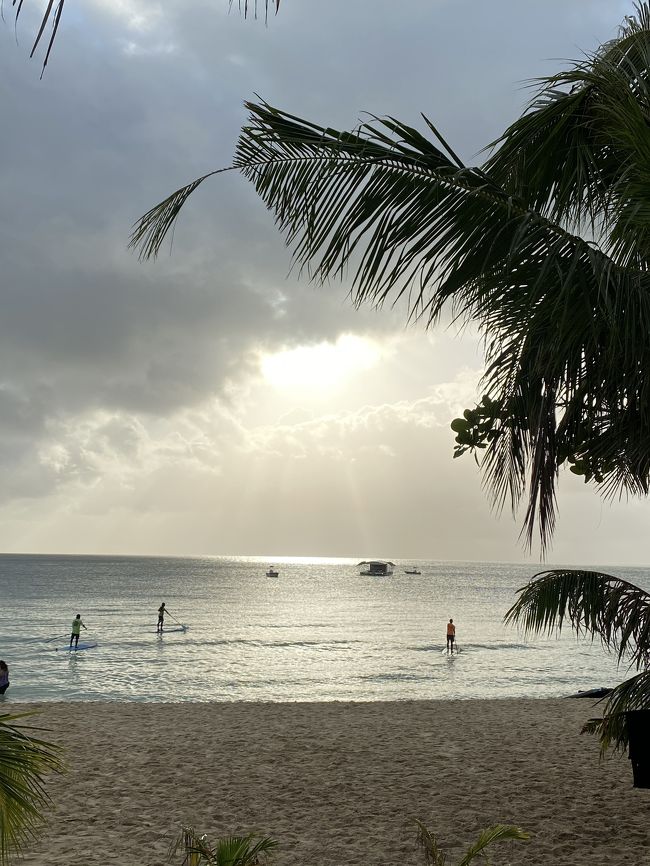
(593, 603)
(602, 606)
(611, 729)
(24, 761)
(545, 246)
(54, 9)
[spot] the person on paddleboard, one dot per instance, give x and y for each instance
(77, 625)
(161, 618)
(451, 635)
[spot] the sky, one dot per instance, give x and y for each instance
(211, 402)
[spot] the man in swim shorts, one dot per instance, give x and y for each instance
(77, 625)
(161, 618)
(451, 635)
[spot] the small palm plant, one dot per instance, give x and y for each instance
(499, 832)
(24, 762)
(605, 607)
(227, 851)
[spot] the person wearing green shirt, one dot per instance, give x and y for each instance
(77, 625)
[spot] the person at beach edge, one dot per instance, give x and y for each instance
(451, 635)
(161, 618)
(4, 677)
(77, 625)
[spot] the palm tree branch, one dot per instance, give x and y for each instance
(611, 729)
(556, 311)
(592, 603)
(24, 762)
(497, 833)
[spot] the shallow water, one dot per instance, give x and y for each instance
(318, 632)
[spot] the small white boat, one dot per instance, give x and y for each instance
(272, 572)
(412, 571)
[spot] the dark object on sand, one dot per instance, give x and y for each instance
(592, 693)
(638, 728)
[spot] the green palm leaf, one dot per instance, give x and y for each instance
(24, 762)
(434, 856)
(497, 833)
(226, 851)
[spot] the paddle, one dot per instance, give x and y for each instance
(182, 625)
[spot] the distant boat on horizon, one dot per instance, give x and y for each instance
(412, 571)
(272, 572)
(376, 567)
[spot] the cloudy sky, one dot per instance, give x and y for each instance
(208, 403)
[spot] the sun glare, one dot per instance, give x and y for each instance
(323, 366)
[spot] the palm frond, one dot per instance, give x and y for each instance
(54, 9)
(151, 229)
(24, 762)
(592, 603)
(428, 842)
(570, 154)
(564, 319)
(226, 851)
(497, 833)
(611, 729)
(434, 856)
(247, 6)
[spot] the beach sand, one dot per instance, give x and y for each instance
(339, 783)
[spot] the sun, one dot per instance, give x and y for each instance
(323, 366)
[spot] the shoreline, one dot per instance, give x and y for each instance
(338, 782)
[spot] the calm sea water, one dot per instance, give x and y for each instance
(318, 632)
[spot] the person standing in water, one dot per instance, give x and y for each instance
(161, 618)
(451, 635)
(4, 677)
(77, 625)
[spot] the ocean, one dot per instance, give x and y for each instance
(320, 631)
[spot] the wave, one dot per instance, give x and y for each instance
(394, 677)
(472, 647)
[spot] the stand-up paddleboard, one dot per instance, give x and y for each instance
(171, 630)
(445, 652)
(72, 649)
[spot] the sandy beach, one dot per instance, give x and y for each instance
(339, 783)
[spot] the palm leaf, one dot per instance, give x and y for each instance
(400, 210)
(592, 603)
(611, 729)
(434, 856)
(428, 842)
(226, 851)
(24, 762)
(497, 833)
(564, 317)
(602, 606)
(54, 9)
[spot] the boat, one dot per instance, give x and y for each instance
(412, 571)
(376, 567)
(272, 572)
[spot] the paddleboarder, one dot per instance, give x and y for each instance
(77, 625)
(161, 618)
(451, 635)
